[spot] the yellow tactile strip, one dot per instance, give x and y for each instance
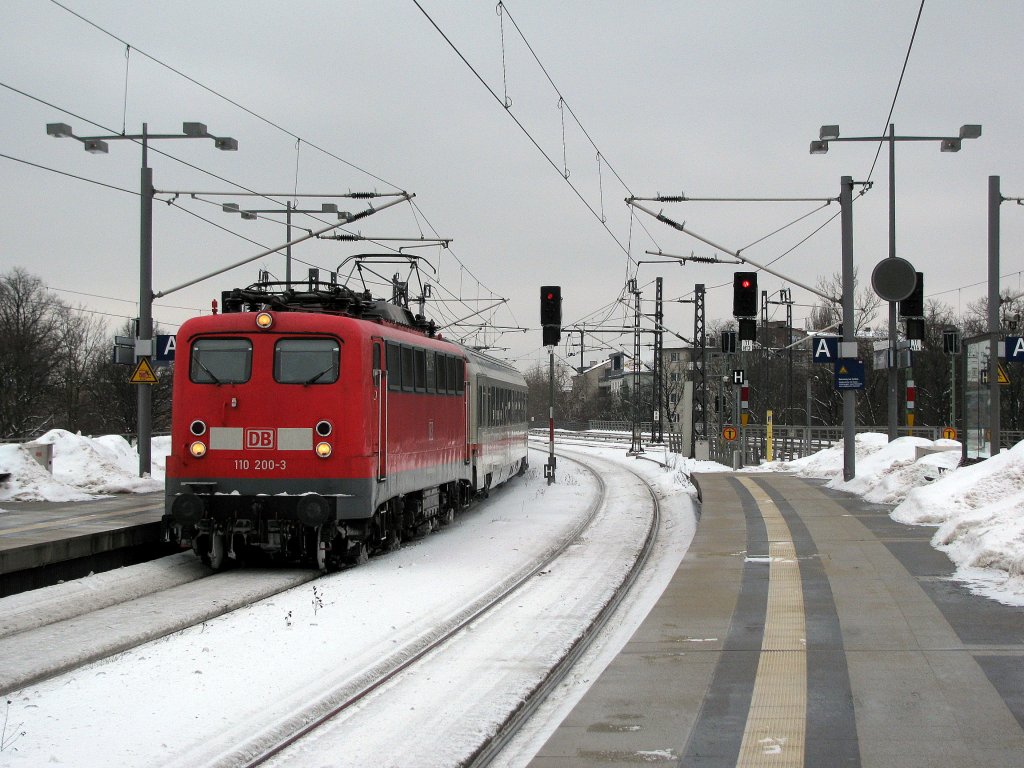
(776, 723)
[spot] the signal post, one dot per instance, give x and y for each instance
(551, 327)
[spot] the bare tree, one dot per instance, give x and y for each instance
(29, 342)
(81, 341)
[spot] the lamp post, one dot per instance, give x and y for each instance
(830, 133)
(252, 213)
(144, 343)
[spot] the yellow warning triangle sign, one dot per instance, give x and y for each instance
(143, 373)
(842, 370)
(1003, 378)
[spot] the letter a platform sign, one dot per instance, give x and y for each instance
(143, 373)
(1014, 349)
(825, 349)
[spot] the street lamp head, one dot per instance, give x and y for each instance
(58, 130)
(229, 207)
(95, 146)
(819, 147)
(249, 215)
(226, 143)
(970, 131)
(829, 132)
(194, 130)
(950, 145)
(328, 207)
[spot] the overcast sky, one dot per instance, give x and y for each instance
(708, 99)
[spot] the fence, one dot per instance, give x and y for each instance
(788, 442)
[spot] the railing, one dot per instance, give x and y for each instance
(788, 442)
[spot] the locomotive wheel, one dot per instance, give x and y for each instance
(357, 553)
(215, 555)
(394, 540)
(447, 516)
(321, 554)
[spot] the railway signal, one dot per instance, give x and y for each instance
(551, 314)
(744, 294)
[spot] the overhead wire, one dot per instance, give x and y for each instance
(523, 128)
(299, 139)
(220, 95)
(899, 84)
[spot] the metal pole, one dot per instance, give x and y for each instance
(657, 422)
(849, 395)
(738, 423)
(893, 370)
(807, 441)
(789, 343)
(551, 415)
(145, 392)
(952, 391)
(288, 249)
(995, 198)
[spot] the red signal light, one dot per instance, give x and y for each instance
(745, 283)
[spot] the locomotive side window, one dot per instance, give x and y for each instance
(442, 374)
(306, 361)
(408, 369)
(431, 377)
(221, 361)
(456, 376)
(421, 370)
(394, 366)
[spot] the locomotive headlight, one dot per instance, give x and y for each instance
(197, 428)
(323, 450)
(198, 449)
(264, 320)
(324, 428)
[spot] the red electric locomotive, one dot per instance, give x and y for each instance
(323, 426)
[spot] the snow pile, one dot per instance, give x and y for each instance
(980, 513)
(83, 468)
(979, 508)
(31, 482)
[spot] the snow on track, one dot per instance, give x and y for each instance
(439, 712)
(248, 669)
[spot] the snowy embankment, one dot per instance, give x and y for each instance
(979, 509)
(83, 468)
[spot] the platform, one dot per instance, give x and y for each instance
(44, 542)
(806, 628)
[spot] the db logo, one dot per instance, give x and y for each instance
(259, 438)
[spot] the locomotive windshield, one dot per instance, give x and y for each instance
(221, 361)
(306, 361)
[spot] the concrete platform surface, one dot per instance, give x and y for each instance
(43, 541)
(806, 628)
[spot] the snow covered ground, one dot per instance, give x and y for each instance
(978, 512)
(979, 509)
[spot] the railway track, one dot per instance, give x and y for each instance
(50, 632)
(474, 718)
(226, 692)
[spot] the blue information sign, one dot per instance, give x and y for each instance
(849, 374)
(165, 349)
(825, 349)
(1015, 349)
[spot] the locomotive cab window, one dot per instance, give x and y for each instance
(394, 355)
(221, 361)
(306, 361)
